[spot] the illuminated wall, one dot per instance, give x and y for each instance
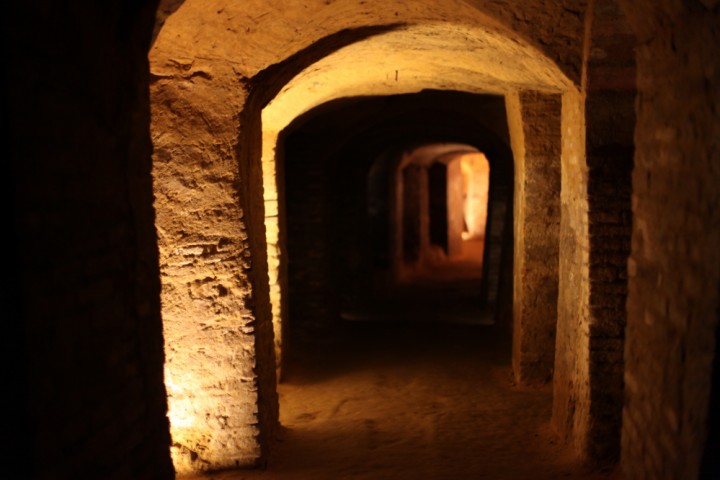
(476, 185)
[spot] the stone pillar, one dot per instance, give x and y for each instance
(610, 123)
(571, 396)
(591, 324)
(534, 121)
(216, 318)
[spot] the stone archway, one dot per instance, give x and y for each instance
(218, 106)
(366, 68)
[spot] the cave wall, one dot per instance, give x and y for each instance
(216, 313)
(271, 33)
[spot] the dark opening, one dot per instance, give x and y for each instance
(378, 211)
(342, 164)
(437, 189)
(412, 204)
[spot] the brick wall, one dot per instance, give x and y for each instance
(534, 120)
(610, 121)
(674, 269)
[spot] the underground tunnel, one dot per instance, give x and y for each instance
(392, 103)
(359, 225)
(340, 239)
(388, 277)
(317, 148)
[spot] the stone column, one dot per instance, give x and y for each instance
(534, 121)
(596, 227)
(216, 318)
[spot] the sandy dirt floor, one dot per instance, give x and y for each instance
(431, 403)
(414, 399)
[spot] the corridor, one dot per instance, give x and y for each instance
(422, 396)
(226, 218)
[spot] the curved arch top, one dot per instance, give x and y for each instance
(254, 35)
(434, 55)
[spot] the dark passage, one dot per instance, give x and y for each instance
(437, 176)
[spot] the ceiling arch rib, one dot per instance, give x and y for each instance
(410, 59)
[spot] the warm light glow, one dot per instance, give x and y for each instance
(272, 237)
(184, 424)
(476, 183)
(180, 414)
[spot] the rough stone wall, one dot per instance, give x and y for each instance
(534, 120)
(353, 266)
(211, 295)
(610, 121)
(270, 32)
(248, 150)
(674, 269)
(85, 282)
(571, 395)
(556, 25)
(588, 382)
(276, 237)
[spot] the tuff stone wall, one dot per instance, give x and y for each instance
(571, 395)
(588, 382)
(85, 332)
(534, 120)
(412, 182)
(270, 30)
(674, 268)
(214, 313)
